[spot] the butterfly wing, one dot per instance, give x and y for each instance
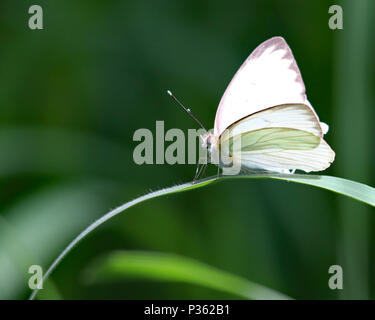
(279, 159)
(269, 77)
(293, 116)
(286, 137)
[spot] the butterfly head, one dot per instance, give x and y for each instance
(208, 141)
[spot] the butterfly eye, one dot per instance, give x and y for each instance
(206, 140)
(203, 141)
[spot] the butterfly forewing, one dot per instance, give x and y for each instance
(269, 77)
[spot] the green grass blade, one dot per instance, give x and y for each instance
(171, 267)
(351, 189)
(355, 190)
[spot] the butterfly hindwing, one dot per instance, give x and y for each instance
(294, 116)
(315, 159)
(278, 138)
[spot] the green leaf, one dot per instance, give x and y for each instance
(171, 267)
(355, 190)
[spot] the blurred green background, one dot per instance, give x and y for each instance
(72, 95)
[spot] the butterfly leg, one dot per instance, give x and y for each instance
(201, 171)
(204, 169)
(196, 172)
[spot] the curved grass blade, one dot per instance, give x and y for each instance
(171, 267)
(349, 188)
(352, 189)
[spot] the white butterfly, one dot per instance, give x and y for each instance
(265, 109)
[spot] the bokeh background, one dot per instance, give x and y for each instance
(72, 95)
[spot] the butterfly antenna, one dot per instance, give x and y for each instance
(187, 110)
